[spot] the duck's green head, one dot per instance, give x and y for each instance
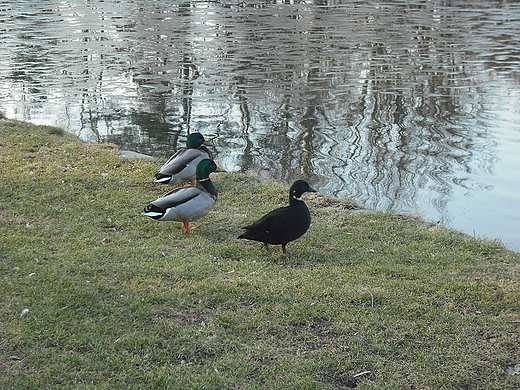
(205, 167)
(196, 140)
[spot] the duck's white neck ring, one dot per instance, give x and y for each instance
(300, 199)
(206, 179)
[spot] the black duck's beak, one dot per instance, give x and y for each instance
(310, 189)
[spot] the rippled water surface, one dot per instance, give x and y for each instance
(407, 106)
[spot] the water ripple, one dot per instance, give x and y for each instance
(401, 105)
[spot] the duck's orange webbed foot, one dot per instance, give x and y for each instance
(188, 228)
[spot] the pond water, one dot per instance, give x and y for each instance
(406, 106)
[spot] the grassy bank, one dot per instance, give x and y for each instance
(95, 296)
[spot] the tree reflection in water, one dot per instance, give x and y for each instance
(392, 104)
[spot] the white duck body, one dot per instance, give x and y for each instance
(187, 203)
(181, 167)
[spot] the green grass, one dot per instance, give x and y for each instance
(120, 301)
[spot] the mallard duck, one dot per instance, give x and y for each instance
(187, 203)
(181, 166)
(284, 224)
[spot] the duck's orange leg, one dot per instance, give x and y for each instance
(188, 228)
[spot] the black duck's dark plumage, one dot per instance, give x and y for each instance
(284, 224)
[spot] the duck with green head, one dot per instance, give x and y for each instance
(188, 203)
(181, 167)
